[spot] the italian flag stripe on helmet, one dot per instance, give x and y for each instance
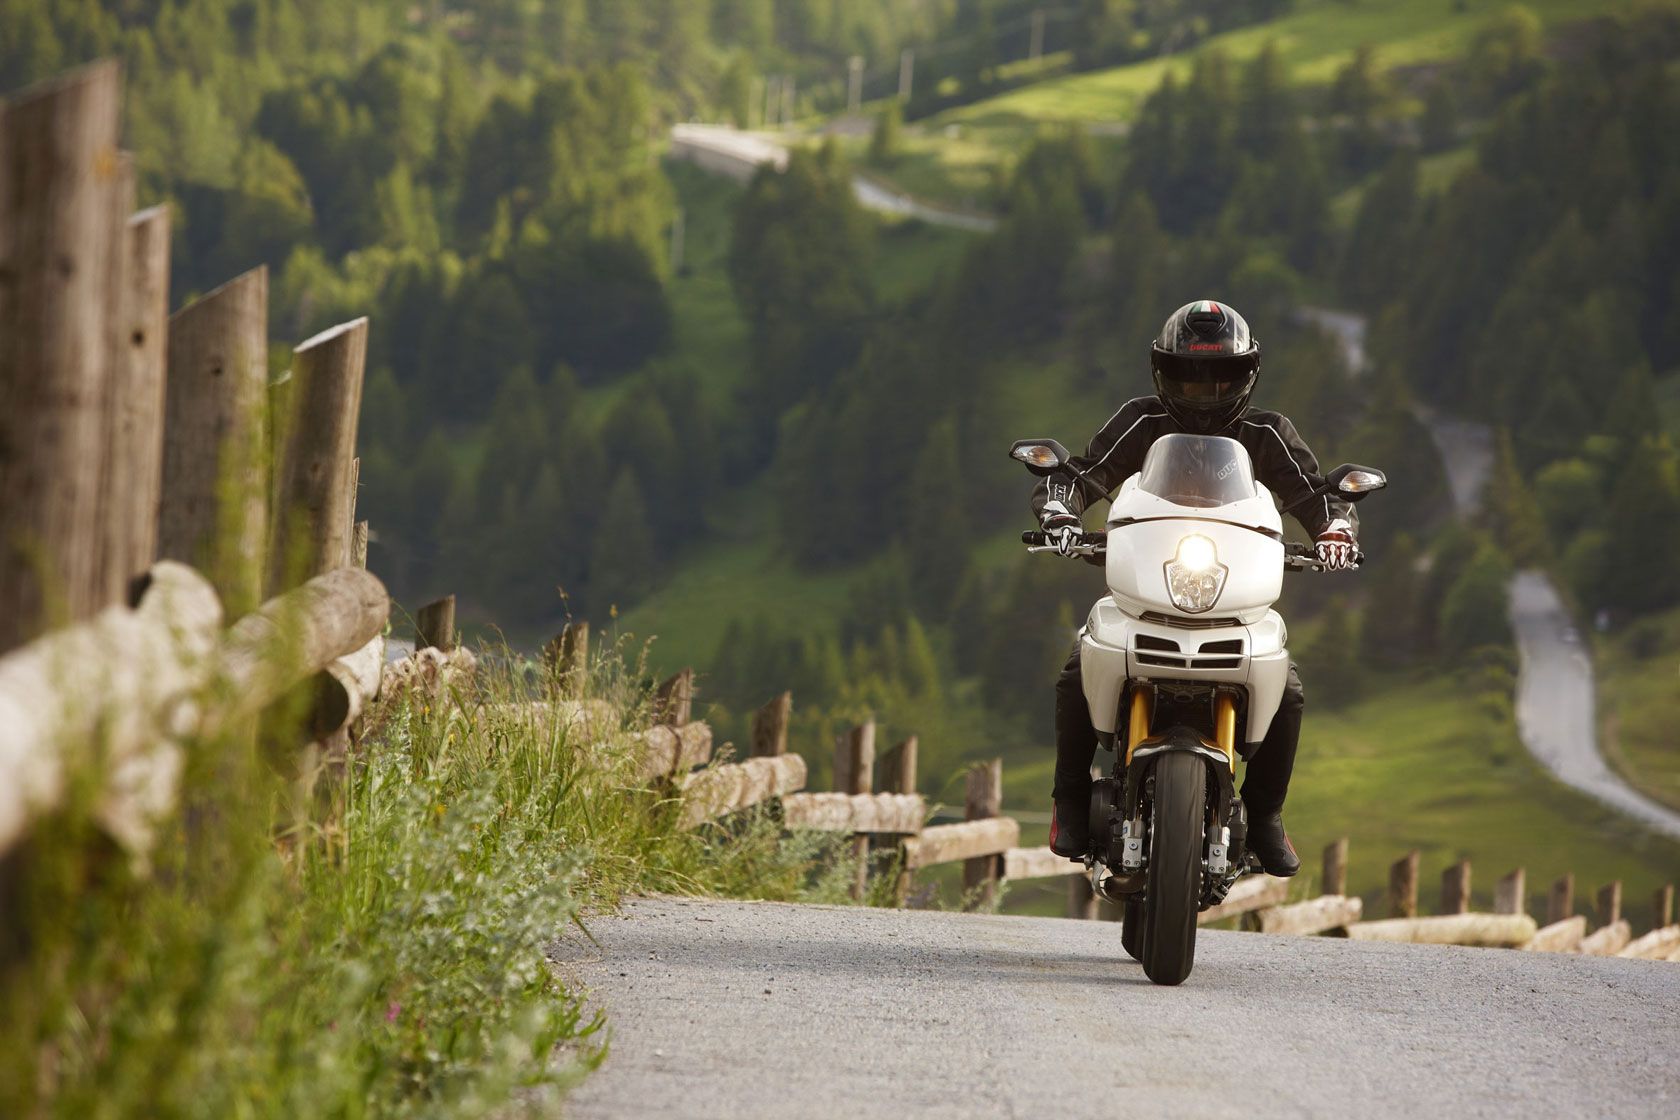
(1209, 305)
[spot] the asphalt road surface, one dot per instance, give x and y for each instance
(1555, 704)
(740, 1010)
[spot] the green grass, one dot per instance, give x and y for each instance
(374, 949)
(1418, 765)
(953, 157)
(1316, 38)
(1639, 685)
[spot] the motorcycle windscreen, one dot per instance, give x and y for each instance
(1198, 471)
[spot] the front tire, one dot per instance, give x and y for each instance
(1175, 868)
(1131, 928)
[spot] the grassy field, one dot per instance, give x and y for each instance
(955, 157)
(1639, 685)
(1419, 766)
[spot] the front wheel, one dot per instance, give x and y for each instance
(1131, 928)
(1175, 868)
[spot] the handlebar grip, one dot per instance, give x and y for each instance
(1033, 536)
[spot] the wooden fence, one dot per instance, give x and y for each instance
(885, 819)
(154, 486)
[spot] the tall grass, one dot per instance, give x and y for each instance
(380, 951)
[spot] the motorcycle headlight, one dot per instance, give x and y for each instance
(1195, 577)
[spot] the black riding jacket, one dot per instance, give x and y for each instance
(1283, 462)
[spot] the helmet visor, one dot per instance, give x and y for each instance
(1205, 382)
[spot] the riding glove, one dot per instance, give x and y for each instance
(1061, 526)
(1336, 547)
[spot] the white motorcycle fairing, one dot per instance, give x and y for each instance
(1137, 632)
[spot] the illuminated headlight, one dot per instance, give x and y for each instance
(1195, 577)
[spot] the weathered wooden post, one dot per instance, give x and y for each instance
(1402, 886)
(1335, 867)
(1662, 907)
(770, 727)
(434, 626)
(854, 772)
(358, 545)
(213, 509)
(1510, 895)
(1610, 902)
(1455, 888)
(673, 700)
(312, 478)
(60, 239)
(898, 767)
(898, 775)
(984, 799)
(1082, 901)
(132, 479)
(567, 654)
(1560, 903)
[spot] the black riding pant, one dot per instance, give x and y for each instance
(1269, 769)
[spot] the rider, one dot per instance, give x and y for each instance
(1205, 364)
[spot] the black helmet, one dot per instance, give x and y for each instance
(1205, 364)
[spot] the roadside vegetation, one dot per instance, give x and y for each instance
(377, 946)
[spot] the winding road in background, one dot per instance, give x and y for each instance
(738, 154)
(744, 1010)
(1556, 702)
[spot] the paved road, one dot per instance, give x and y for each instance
(740, 1010)
(729, 151)
(1555, 704)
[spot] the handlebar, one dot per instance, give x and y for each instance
(1300, 557)
(1297, 556)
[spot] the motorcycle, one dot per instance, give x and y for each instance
(1184, 666)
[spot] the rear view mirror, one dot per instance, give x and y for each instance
(1041, 456)
(1353, 482)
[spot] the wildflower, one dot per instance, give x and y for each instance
(392, 1010)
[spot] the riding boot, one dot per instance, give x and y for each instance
(1076, 745)
(1267, 784)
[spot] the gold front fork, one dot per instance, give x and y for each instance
(1225, 725)
(1137, 730)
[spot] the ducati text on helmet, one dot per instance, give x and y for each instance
(1205, 364)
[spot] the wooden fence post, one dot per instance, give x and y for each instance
(1510, 895)
(1455, 888)
(1402, 886)
(60, 239)
(213, 510)
(898, 775)
(1560, 903)
(358, 545)
(567, 654)
(312, 479)
(1082, 901)
(133, 476)
(350, 491)
(1335, 867)
(854, 772)
(770, 727)
(434, 626)
(673, 701)
(1610, 902)
(984, 799)
(1662, 907)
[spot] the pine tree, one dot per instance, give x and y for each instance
(623, 562)
(1390, 635)
(1475, 612)
(1511, 513)
(1439, 127)
(1331, 660)
(886, 143)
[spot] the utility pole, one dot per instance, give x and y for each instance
(854, 85)
(906, 72)
(1036, 51)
